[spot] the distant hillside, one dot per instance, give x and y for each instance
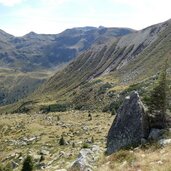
(38, 51)
(26, 62)
(123, 61)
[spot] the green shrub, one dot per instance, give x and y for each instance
(104, 88)
(62, 141)
(112, 107)
(45, 109)
(28, 164)
(83, 106)
(157, 101)
(132, 87)
(55, 108)
(106, 108)
(85, 145)
(90, 116)
(58, 107)
(92, 139)
(113, 112)
(73, 145)
(42, 158)
(78, 106)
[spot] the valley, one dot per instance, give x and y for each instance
(60, 95)
(32, 57)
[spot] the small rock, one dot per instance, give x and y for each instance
(61, 154)
(86, 159)
(143, 155)
(165, 141)
(21, 158)
(44, 152)
(95, 148)
(42, 165)
(155, 134)
(14, 164)
(159, 162)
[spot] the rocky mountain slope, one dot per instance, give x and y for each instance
(26, 62)
(123, 60)
(34, 51)
(95, 76)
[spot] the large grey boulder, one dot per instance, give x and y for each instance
(130, 125)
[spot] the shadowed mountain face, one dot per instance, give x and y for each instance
(130, 57)
(38, 51)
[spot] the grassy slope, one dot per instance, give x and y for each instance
(15, 84)
(77, 128)
(154, 158)
(26, 60)
(120, 62)
(141, 62)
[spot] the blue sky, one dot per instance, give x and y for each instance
(18, 17)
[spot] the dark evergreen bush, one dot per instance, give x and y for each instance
(62, 141)
(157, 101)
(28, 164)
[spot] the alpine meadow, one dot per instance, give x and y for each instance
(86, 99)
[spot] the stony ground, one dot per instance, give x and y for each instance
(39, 135)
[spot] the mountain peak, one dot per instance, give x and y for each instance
(31, 34)
(4, 35)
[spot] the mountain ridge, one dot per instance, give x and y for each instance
(122, 61)
(117, 61)
(33, 57)
(45, 50)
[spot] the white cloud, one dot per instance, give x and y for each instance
(10, 2)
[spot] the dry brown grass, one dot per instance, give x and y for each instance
(75, 126)
(138, 160)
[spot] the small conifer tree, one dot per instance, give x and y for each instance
(113, 112)
(92, 139)
(28, 164)
(73, 145)
(90, 116)
(62, 141)
(157, 103)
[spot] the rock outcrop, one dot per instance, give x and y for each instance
(130, 126)
(86, 159)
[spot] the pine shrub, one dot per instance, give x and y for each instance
(28, 164)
